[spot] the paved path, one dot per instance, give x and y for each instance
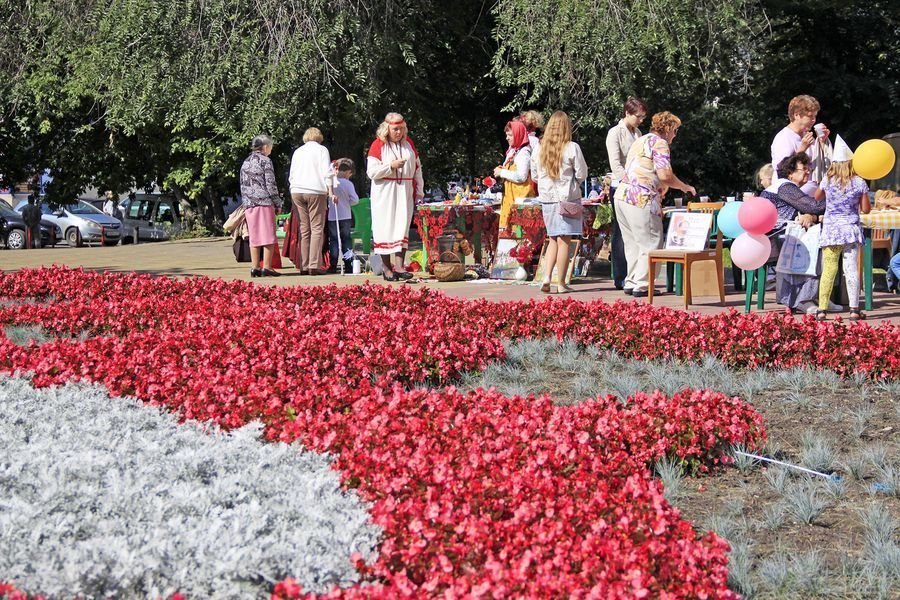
(214, 258)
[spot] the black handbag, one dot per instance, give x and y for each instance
(242, 249)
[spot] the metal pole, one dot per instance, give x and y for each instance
(337, 230)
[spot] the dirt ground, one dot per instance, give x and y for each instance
(793, 535)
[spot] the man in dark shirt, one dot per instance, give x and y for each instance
(31, 214)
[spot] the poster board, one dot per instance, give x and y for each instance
(688, 231)
(505, 266)
(574, 246)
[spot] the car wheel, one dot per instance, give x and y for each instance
(16, 239)
(73, 238)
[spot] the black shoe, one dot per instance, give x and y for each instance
(269, 273)
(256, 273)
(391, 277)
(403, 275)
(628, 291)
(639, 293)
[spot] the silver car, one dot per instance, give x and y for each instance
(81, 223)
(154, 216)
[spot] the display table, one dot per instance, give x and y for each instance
(883, 219)
(479, 224)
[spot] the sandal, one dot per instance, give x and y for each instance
(562, 288)
(821, 315)
(856, 315)
(545, 287)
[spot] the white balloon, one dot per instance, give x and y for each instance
(750, 251)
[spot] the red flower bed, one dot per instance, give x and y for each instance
(478, 494)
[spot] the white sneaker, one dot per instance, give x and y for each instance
(807, 307)
(832, 307)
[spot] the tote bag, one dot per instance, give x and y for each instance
(800, 251)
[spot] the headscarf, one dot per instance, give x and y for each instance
(519, 141)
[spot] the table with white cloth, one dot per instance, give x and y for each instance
(882, 219)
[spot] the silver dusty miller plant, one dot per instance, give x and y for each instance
(105, 497)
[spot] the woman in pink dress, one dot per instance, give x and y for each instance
(260, 197)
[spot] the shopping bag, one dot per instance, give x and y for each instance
(800, 251)
(241, 249)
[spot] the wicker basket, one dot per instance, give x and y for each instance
(449, 268)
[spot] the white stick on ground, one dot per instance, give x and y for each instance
(784, 464)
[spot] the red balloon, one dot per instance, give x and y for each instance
(757, 215)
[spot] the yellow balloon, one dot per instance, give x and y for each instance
(873, 159)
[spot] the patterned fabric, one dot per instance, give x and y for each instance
(790, 200)
(841, 223)
(641, 186)
(882, 219)
(258, 182)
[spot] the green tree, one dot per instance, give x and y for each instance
(586, 57)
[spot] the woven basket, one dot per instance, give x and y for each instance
(449, 268)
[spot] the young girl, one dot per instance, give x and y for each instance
(339, 219)
(846, 196)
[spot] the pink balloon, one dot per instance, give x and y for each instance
(750, 251)
(757, 215)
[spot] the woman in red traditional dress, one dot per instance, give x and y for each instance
(396, 173)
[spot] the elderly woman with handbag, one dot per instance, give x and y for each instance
(260, 199)
(558, 167)
(638, 200)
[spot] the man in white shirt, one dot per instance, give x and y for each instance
(312, 185)
(618, 143)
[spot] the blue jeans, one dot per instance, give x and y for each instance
(895, 269)
(893, 273)
(333, 242)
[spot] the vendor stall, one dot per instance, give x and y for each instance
(478, 224)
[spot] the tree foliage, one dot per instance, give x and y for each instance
(127, 93)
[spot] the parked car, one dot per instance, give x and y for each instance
(79, 216)
(156, 217)
(12, 229)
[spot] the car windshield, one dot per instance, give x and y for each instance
(83, 208)
(7, 211)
